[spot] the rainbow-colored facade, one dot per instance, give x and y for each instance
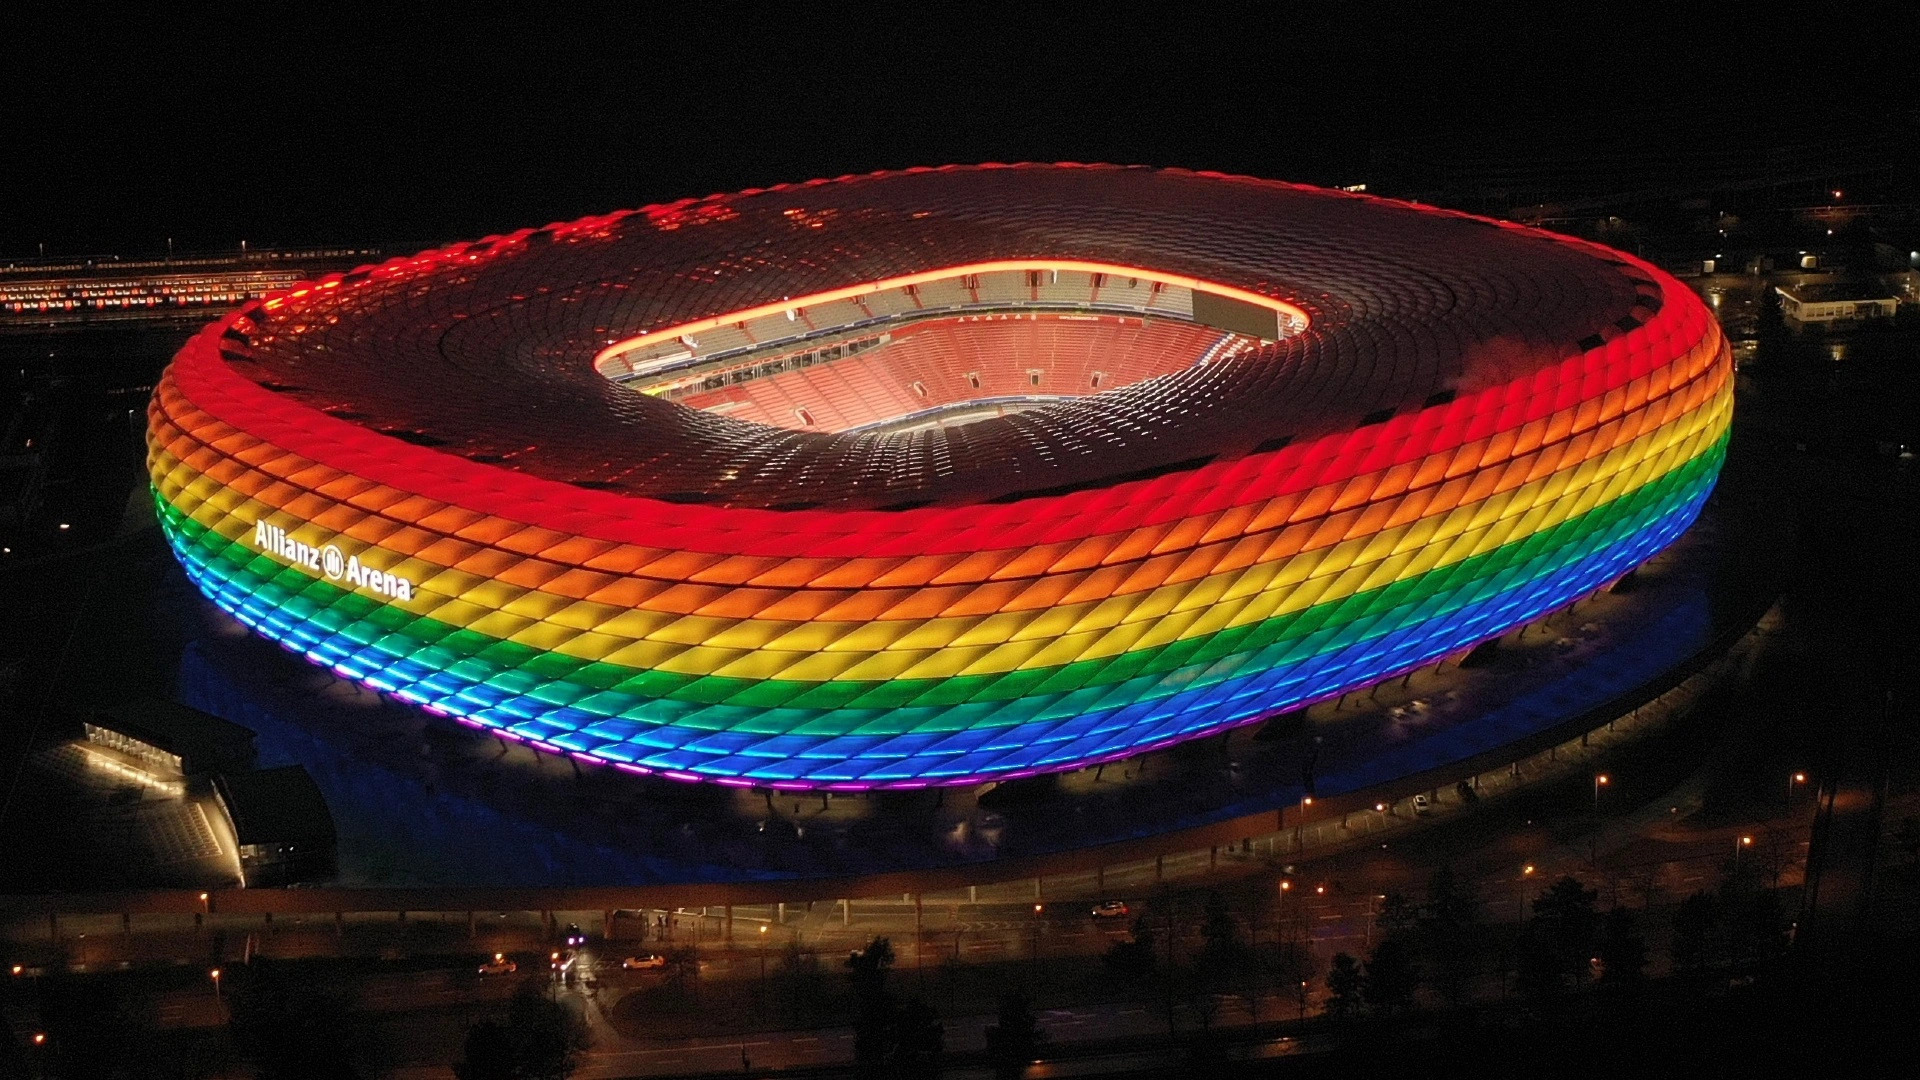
(530, 548)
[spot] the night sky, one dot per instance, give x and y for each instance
(299, 125)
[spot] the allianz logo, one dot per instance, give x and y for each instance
(330, 563)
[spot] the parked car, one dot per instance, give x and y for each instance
(499, 965)
(1110, 909)
(1422, 805)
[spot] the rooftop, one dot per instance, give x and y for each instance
(175, 727)
(276, 806)
(1828, 291)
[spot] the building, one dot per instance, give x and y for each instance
(935, 477)
(281, 825)
(1831, 303)
(167, 742)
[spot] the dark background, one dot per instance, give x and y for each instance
(303, 124)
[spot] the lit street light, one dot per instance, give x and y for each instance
(1599, 781)
(1793, 782)
(1371, 914)
(215, 976)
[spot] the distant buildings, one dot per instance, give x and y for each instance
(1830, 303)
(281, 824)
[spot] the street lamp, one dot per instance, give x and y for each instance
(1526, 873)
(214, 974)
(1037, 910)
(1599, 781)
(1794, 781)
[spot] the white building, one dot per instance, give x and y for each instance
(1829, 303)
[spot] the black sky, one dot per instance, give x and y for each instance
(297, 125)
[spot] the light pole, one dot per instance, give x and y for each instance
(1526, 874)
(214, 974)
(1793, 782)
(1738, 846)
(1033, 975)
(763, 951)
(1599, 781)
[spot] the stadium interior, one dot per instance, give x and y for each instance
(943, 352)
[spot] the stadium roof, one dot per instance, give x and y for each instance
(487, 350)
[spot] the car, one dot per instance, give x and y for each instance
(1110, 909)
(575, 935)
(563, 959)
(1422, 805)
(499, 965)
(644, 961)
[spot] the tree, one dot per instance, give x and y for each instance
(1755, 927)
(889, 1037)
(1450, 933)
(919, 1036)
(90, 1029)
(291, 1029)
(1392, 979)
(1288, 966)
(1344, 984)
(1224, 959)
(1397, 914)
(1560, 940)
(546, 1035)
(1694, 923)
(1133, 959)
(1014, 1038)
(487, 1054)
(1623, 956)
(799, 980)
(683, 969)
(1907, 838)
(867, 969)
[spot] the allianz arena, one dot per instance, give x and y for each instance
(938, 476)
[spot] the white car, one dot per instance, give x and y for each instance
(1110, 909)
(643, 962)
(499, 965)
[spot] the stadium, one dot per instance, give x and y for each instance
(935, 477)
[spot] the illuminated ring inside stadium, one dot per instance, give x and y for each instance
(939, 476)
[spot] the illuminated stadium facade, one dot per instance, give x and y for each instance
(939, 476)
